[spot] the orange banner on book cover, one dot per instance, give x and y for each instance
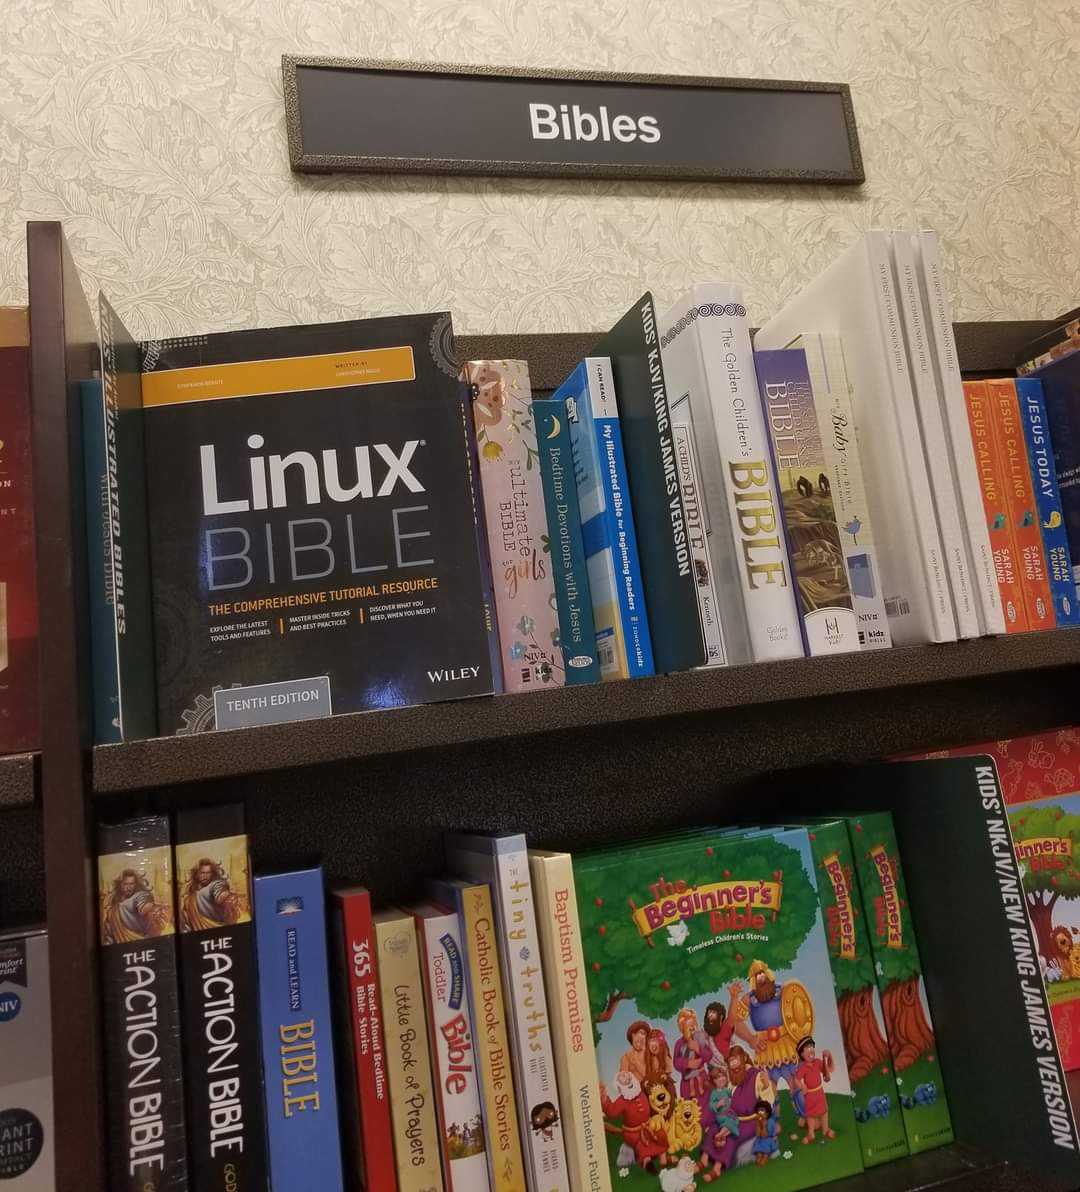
(1020, 500)
(995, 506)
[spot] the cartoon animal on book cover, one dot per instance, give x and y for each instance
(746, 986)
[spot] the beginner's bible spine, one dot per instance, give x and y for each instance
(144, 1081)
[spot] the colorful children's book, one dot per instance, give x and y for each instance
(866, 1045)
(297, 1034)
(514, 514)
(450, 1034)
(365, 1096)
(220, 999)
(577, 633)
(501, 861)
(1020, 500)
(829, 623)
(995, 506)
(27, 1137)
(1040, 454)
(714, 1011)
(483, 985)
(607, 521)
(568, 996)
(143, 1067)
(898, 970)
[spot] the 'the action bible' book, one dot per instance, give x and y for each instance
(220, 1000)
(667, 565)
(315, 536)
(144, 1081)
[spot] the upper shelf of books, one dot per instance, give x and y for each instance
(165, 761)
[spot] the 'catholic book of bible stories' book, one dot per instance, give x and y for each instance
(314, 524)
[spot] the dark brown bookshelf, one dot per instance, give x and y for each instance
(372, 792)
(169, 761)
(18, 780)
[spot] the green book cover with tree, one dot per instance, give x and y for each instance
(719, 1046)
(898, 970)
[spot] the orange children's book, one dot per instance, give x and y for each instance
(995, 505)
(1020, 504)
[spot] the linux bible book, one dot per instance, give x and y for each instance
(315, 540)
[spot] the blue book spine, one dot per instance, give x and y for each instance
(1061, 395)
(1048, 501)
(297, 1044)
(609, 540)
(577, 632)
(105, 682)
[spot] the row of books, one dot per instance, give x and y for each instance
(288, 523)
(707, 1003)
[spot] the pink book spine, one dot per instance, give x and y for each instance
(516, 524)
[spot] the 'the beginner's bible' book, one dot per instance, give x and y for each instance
(315, 537)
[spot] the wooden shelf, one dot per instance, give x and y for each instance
(167, 761)
(18, 780)
(956, 1168)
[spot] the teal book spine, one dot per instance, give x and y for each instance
(577, 630)
(104, 679)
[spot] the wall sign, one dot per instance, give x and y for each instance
(360, 115)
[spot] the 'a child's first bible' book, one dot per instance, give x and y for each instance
(718, 1041)
(315, 540)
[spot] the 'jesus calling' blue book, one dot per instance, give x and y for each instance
(297, 1044)
(1044, 481)
(577, 631)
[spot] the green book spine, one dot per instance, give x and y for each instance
(898, 970)
(870, 1066)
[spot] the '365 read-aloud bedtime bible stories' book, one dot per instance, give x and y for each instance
(315, 536)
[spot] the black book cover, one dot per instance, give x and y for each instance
(144, 1081)
(315, 540)
(220, 1000)
(667, 568)
(129, 540)
(995, 1038)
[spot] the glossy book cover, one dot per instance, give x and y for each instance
(315, 538)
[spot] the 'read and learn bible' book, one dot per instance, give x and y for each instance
(315, 542)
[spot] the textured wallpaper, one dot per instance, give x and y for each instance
(154, 130)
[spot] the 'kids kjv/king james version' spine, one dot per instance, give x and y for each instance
(817, 562)
(869, 1061)
(898, 971)
(1020, 501)
(219, 995)
(143, 1071)
(450, 1034)
(1051, 516)
(502, 862)
(995, 508)
(417, 1154)
(577, 633)
(483, 985)
(607, 521)
(567, 997)
(512, 495)
(297, 1036)
(365, 1095)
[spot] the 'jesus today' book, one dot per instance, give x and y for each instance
(315, 540)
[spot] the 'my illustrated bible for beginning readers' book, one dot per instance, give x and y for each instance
(315, 540)
(714, 1011)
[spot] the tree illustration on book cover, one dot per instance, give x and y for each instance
(717, 1032)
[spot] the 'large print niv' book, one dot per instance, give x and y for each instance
(315, 537)
(667, 565)
(304, 1145)
(143, 1076)
(219, 996)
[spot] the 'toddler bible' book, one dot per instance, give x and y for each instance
(315, 537)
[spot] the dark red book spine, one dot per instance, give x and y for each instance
(367, 1099)
(18, 593)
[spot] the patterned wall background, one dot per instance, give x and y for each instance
(154, 130)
